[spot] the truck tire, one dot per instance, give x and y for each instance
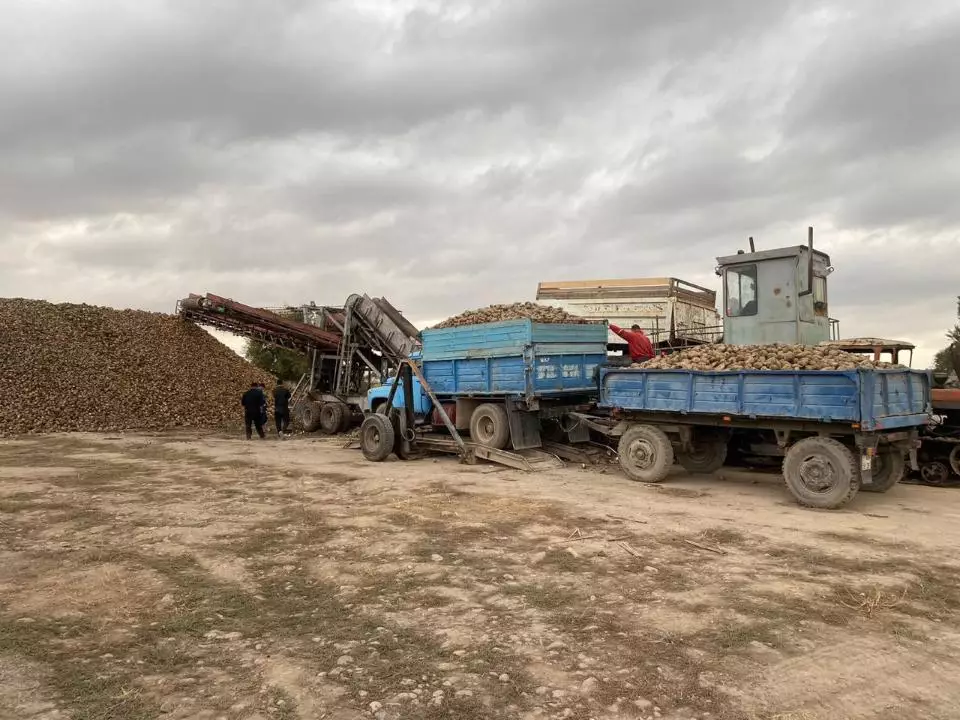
(707, 456)
(489, 426)
(646, 454)
(376, 438)
(821, 472)
(888, 472)
(310, 416)
(934, 473)
(397, 435)
(331, 417)
(348, 419)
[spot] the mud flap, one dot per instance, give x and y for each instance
(866, 466)
(578, 432)
(912, 453)
(524, 427)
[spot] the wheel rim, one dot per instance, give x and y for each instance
(818, 474)
(934, 473)
(485, 428)
(373, 436)
(642, 454)
(955, 459)
(701, 453)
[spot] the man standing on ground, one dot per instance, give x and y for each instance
(253, 401)
(638, 344)
(281, 409)
(263, 406)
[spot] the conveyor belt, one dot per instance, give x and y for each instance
(235, 317)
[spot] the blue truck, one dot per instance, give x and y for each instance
(502, 381)
(516, 383)
(839, 431)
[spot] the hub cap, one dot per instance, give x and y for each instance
(642, 454)
(485, 426)
(817, 474)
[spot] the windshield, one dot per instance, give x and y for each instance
(741, 291)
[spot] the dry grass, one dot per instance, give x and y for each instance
(438, 585)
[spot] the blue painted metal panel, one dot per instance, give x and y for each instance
(514, 358)
(876, 399)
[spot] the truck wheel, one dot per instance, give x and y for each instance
(646, 454)
(397, 436)
(934, 473)
(310, 416)
(887, 472)
(821, 472)
(331, 417)
(376, 438)
(489, 426)
(706, 456)
(955, 459)
(347, 422)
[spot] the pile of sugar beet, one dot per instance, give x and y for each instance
(517, 311)
(718, 357)
(85, 368)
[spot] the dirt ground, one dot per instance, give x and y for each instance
(204, 577)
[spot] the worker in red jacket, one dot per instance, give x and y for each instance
(638, 344)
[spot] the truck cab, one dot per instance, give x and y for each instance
(776, 296)
(377, 396)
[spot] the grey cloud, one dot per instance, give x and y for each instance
(896, 90)
(457, 153)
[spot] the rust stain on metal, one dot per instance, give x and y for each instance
(776, 291)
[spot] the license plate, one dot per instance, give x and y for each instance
(866, 462)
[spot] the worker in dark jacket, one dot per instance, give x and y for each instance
(253, 401)
(263, 407)
(638, 344)
(281, 409)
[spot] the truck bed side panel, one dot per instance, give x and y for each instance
(475, 341)
(514, 357)
(892, 398)
(477, 376)
(558, 368)
(881, 399)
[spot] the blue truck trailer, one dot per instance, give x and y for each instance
(839, 431)
(500, 382)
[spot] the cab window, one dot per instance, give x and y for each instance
(741, 291)
(820, 295)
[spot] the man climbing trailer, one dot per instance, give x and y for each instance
(638, 344)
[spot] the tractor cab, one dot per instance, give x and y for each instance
(776, 296)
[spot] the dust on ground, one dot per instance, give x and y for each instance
(204, 577)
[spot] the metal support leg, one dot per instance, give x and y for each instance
(436, 404)
(405, 376)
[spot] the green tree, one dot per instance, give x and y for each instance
(288, 365)
(944, 361)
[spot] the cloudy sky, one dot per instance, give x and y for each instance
(452, 153)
